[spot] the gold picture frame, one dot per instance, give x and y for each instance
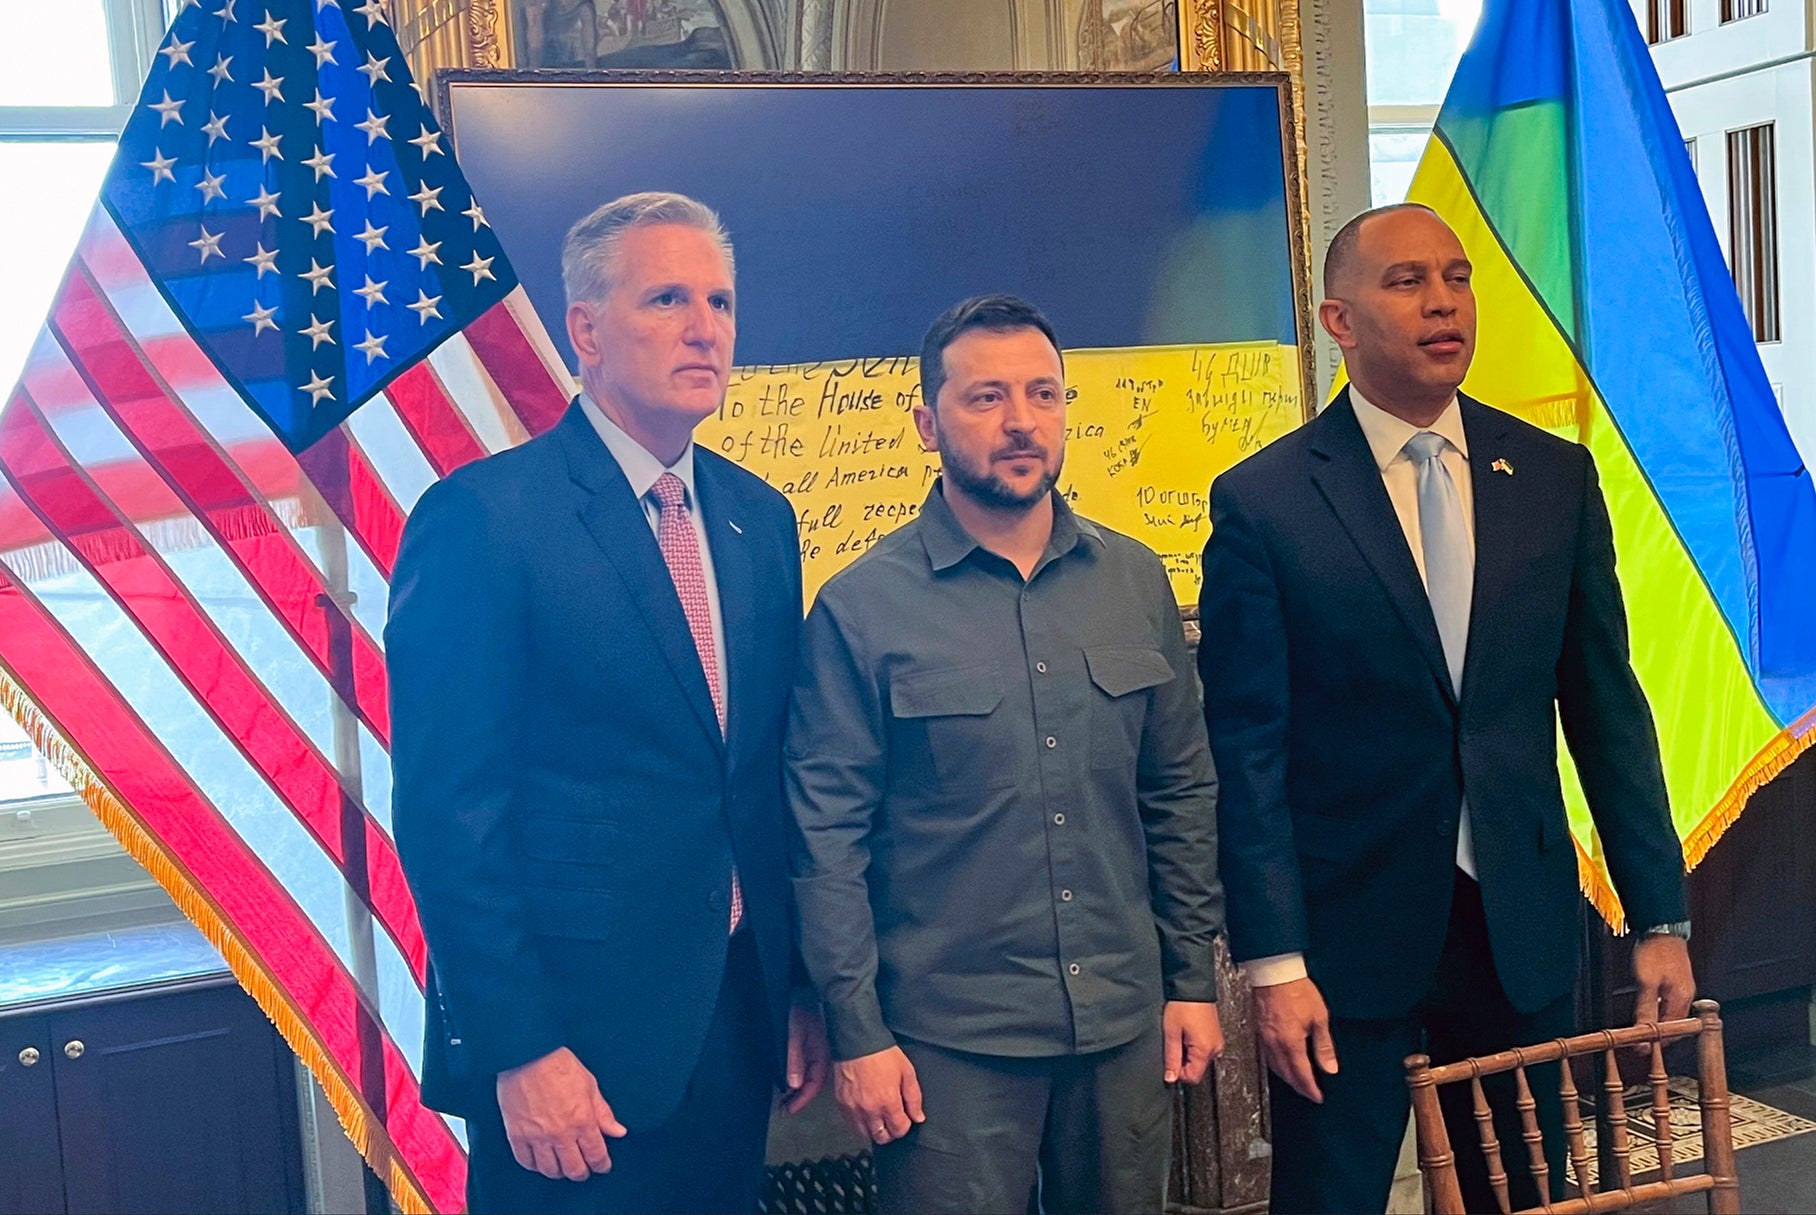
(1216, 36)
(1239, 36)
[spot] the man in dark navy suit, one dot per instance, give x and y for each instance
(1401, 601)
(591, 643)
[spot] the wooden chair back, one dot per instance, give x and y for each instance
(1439, 1165)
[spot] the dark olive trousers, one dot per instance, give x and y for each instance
(1069, 1133)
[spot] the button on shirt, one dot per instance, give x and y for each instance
(1387, 437)
(1006, 798)
(642, 470)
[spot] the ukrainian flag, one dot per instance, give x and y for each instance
(1608, 316)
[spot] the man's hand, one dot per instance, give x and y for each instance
(1294, 1027)
(555, 1118)
(1661, 965)
(1194, 1037)
(879, 1094)
(809, 1056)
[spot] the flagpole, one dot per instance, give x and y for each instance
(361, 941)
(346, 751)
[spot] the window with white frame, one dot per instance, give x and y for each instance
(70, 71)
(69, 74)
(1412, 49)
(1753, 225)
(1667, 19)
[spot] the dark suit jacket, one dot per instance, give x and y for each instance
(1345, 755)
(565, 808)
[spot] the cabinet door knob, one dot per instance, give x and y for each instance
(28, 1056)
(73, 1049)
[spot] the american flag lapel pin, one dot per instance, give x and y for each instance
(1502, 466)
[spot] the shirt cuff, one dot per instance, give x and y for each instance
(1193, 987)
(856, 1028)
(1275, 970)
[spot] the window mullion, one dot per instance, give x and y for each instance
(63, 122)
(135, 28)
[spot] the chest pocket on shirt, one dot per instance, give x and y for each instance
(1120, 673)
(946, 719)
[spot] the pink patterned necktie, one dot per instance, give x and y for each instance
(680, 546)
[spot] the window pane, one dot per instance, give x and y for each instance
(65, 180)
(23, 772)
(1753, 226)
(1666, 19)
(1393, 158)
(54, 52)
(1413, 47)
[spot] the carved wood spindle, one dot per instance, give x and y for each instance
(1718, 1131)
(1617, 1119)
(1573, 1128)
(1535, 1139)
(1661, 1109)
(1491, 1146)
(1435, 1158)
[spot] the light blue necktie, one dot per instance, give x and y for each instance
(1449, 578)
(1449, 569)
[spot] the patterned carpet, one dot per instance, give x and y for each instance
(1753, 1122)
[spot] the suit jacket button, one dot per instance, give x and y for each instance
(1444, 827)
(716, 900)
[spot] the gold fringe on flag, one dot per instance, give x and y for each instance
(248, 969)
(120, 542)
(1598, 890)
(1557, 414)
(1772, 760)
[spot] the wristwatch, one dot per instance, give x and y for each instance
(1677, 928)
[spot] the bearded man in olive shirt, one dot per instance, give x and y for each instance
(1007, 862)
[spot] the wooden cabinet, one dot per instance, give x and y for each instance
(1753, 904)
(178, 1098)
(1753, 936)
(28, 1119)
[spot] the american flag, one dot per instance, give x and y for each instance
(286, 318)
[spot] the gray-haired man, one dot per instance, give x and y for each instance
(591, 642)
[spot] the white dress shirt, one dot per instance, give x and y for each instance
(1387, 437)
(642, 470)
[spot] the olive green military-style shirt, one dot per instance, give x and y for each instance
(1005, 796)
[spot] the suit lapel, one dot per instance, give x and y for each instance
(735, 573)
(616, 522)
(1345, 472)
(1497, 522)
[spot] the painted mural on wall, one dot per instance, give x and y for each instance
(1128, 35)
(620, 34)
